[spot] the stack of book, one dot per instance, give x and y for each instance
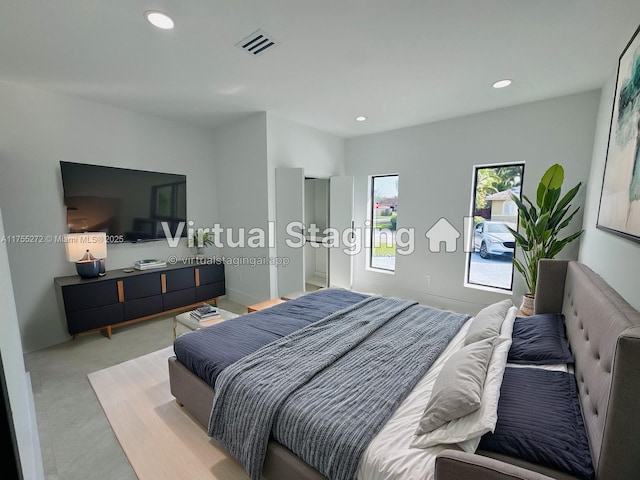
(149, 263)
(204, 312)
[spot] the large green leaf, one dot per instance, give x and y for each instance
(551, 180)
(540, 226)
(521, 241)
(558, 245)
(558, 217)
(550, 200)
(523, 271)
(568, 197)
(566, 221)
(532, 210)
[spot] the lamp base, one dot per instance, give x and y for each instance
(103, 267)
(88, 269)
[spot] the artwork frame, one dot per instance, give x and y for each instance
(619, 209)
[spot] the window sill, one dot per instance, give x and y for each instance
(380, 270)
(488, 289)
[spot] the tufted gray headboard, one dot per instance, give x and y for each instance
(604, 335)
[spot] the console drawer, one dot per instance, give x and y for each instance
(94, 318)
(143, 307)
(179, 299)
(180, 279)
(211, 273)
(211, 290)
(90, 295)
(142, 286)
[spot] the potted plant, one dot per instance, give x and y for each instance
(200, 239)
(541, 225)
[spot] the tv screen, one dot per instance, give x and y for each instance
(129, 205)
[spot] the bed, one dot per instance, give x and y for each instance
(603, 334)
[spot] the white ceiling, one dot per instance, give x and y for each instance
(399, 62)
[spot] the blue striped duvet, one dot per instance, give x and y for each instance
(206, 352)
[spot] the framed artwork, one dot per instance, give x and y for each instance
(619, 211)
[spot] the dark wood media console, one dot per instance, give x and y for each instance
(119, 298)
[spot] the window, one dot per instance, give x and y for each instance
(510, 208)
(491, 245)
(384, 214)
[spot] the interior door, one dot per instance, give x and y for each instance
(340, 218)
(289, 208)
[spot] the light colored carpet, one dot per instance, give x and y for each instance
(160, 439)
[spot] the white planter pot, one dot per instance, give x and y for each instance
(528, 304)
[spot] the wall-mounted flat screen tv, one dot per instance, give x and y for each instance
(129, 205)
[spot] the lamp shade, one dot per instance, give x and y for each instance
(88, 250)
(85, 246)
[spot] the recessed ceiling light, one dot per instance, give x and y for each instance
(502, 83)
(360, 118)
(160, 20)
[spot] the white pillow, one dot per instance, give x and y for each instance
(487, 323)
(458, 389)
(466, 431)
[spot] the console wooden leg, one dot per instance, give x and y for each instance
(107, 332)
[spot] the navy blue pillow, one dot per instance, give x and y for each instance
(540, 340)
(539, 421)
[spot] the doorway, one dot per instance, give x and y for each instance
(316, 216)
(323, 202)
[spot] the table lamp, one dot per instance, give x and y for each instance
(88, 251)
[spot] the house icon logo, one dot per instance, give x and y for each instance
(442, 231)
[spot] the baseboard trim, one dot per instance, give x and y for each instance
(241, 297)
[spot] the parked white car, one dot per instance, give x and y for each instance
(493, 238)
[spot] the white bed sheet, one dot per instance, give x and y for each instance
(555, 367)
(388, 456)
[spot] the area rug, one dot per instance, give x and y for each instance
(160, 439)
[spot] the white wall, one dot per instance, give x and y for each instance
(37, 130)
(18, 381)
(292, 144)
(435, 163)
(615, 258)
(247, 154)
(242, 193)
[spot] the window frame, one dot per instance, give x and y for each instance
(470, 228)
(371, 218)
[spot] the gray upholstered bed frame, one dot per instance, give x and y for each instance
(604, 334)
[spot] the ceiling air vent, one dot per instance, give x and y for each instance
(257, 43)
